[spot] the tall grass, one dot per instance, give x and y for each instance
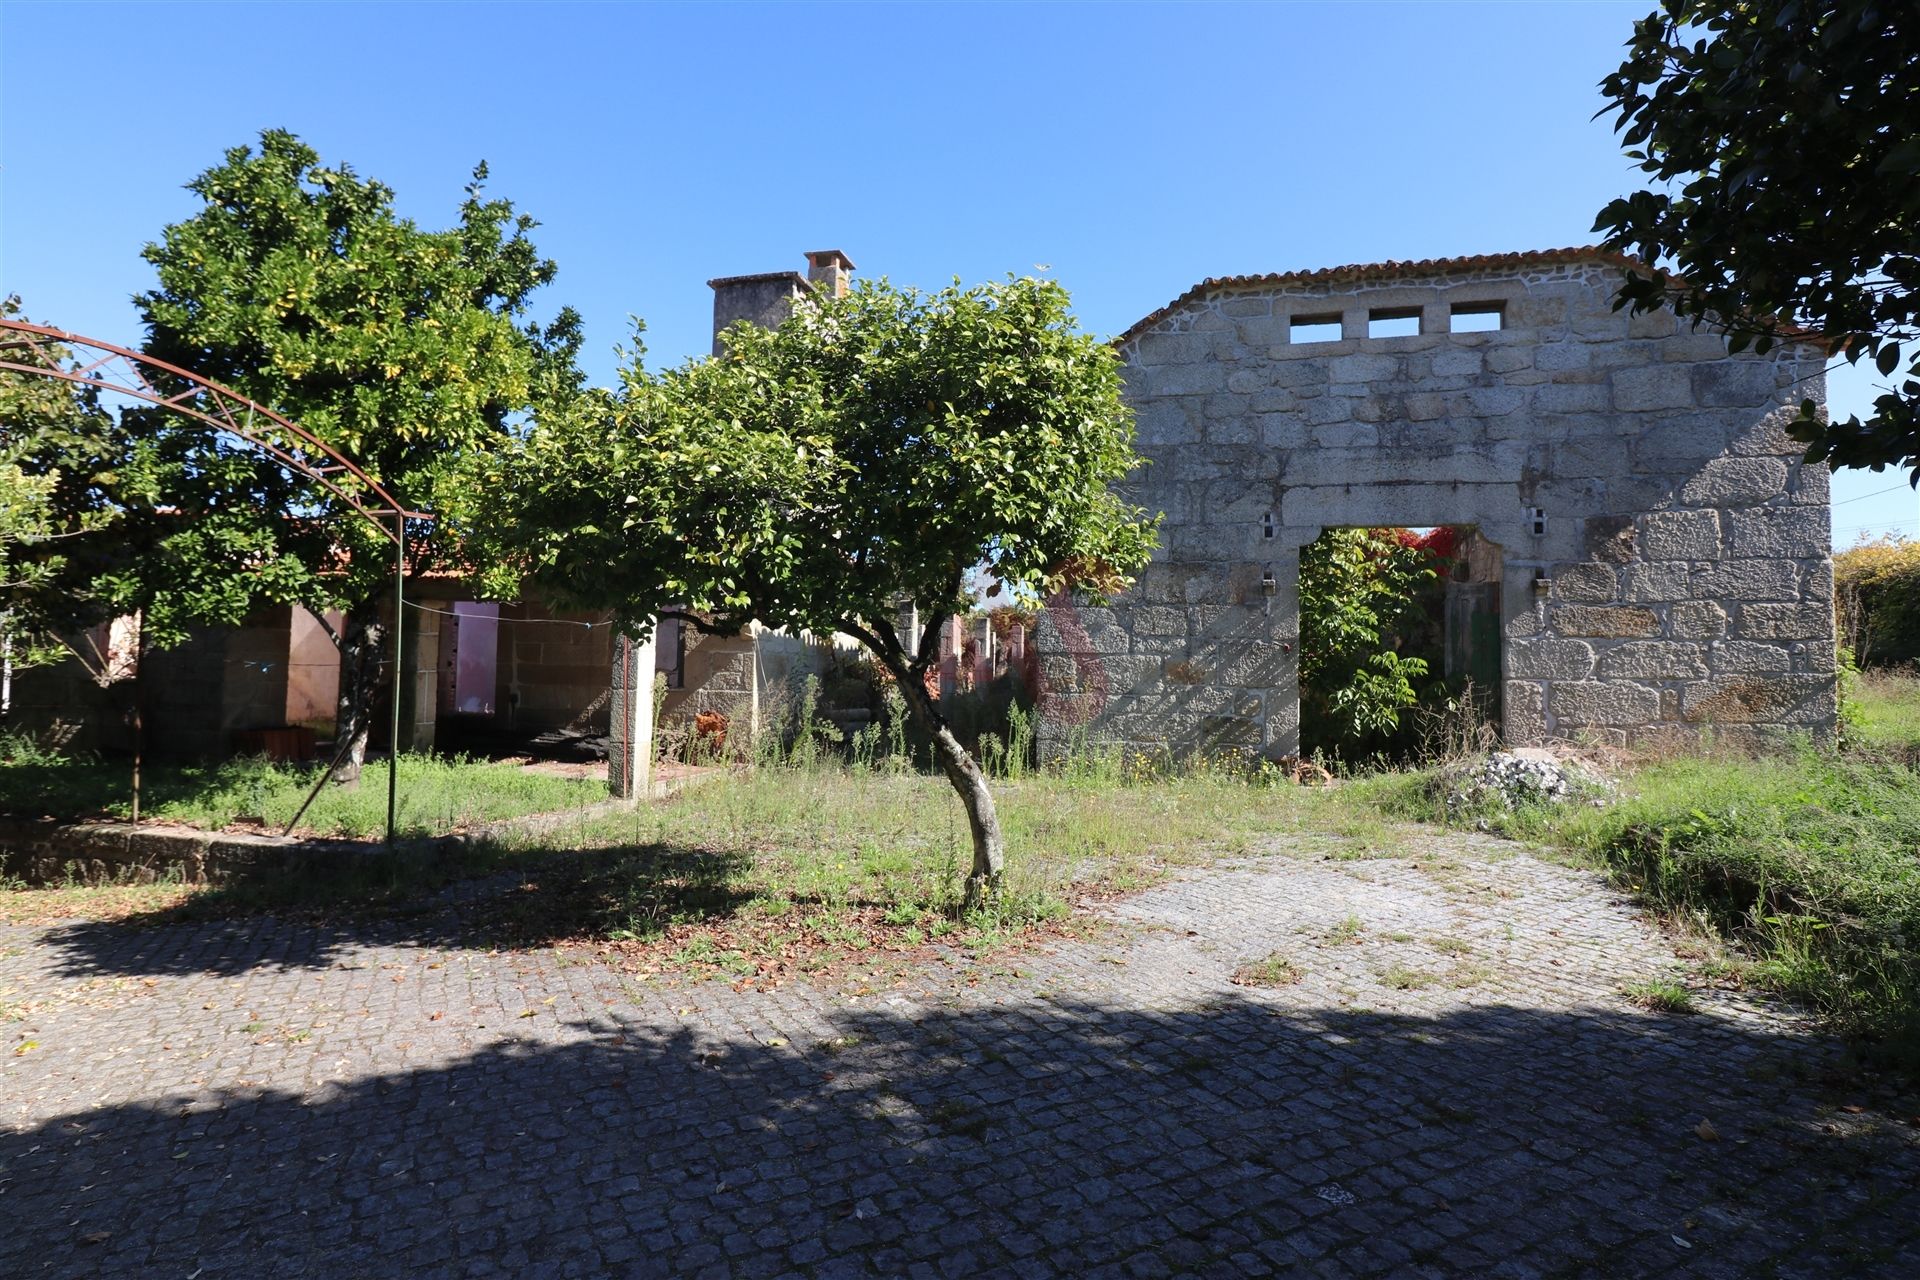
(1883, 714)
(437, 794)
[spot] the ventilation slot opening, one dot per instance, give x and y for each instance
(1397, 322)
(1314, 329)
(1476, 317)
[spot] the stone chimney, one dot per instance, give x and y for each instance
(765, 299)
(831, 270)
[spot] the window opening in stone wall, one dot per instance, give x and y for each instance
(1266, 526)
(1537, 516)
(1476, 317)
(1395, 322)
(1400, 643)
(1314, 329)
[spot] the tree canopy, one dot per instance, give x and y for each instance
(873, 448)
(302, 288)
(67, 475)
(1785, 135)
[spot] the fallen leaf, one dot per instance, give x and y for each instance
(1706, 1131)
(26, 1047)
(528, 1013)
(1682, 1243)
(776, 1042)
(96, 1237)
(1853, 1108)
(435, 1017)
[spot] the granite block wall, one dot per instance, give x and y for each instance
(1666, 553)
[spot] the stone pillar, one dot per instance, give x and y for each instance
(982, 652)
(952, 637)
(630, 759)
(906, 625)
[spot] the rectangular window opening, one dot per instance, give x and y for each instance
(1314, 329)
(1399, 322)
(1476, 317)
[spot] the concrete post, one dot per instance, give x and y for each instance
(952, 638)
(630, 759)
(906, 625)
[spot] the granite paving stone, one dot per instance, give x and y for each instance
(267, 1097)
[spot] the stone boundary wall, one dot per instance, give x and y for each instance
(1666, 555)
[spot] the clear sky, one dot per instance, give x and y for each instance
(1132, 149)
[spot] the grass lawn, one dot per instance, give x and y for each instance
(759, 877)
(1885, 715)
(437, 795)
(785, 871)
(1808, 862)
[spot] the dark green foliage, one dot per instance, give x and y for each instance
(874, 448)
(1786, 136)
(406, 349)
(67, 475)
(1361, 591)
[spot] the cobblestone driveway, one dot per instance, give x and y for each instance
(1455, 1087)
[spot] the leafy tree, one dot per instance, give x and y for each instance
(1787, 133)
(63, 470)
(872, 449)
(1357, 587)
(403, 348)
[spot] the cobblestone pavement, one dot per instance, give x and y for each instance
(1454, 1087)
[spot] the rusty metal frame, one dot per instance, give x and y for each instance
(27, 348)
(124, 372)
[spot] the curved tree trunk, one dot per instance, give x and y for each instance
(359, 643)
(963, 771)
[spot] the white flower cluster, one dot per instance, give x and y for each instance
(1509, 780)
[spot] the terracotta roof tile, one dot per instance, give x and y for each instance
(1382, 271)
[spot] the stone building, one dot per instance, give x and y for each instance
(1664, 553)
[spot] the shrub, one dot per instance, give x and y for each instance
(1876, 592)
(1359, 589)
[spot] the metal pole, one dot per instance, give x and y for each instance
(399, 625)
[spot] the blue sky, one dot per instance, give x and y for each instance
(1132, 149)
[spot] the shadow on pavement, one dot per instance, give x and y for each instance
(491, 897)
(1038, 1139)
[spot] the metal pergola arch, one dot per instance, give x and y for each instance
(32, 349)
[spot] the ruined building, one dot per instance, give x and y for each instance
(1663, 554)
